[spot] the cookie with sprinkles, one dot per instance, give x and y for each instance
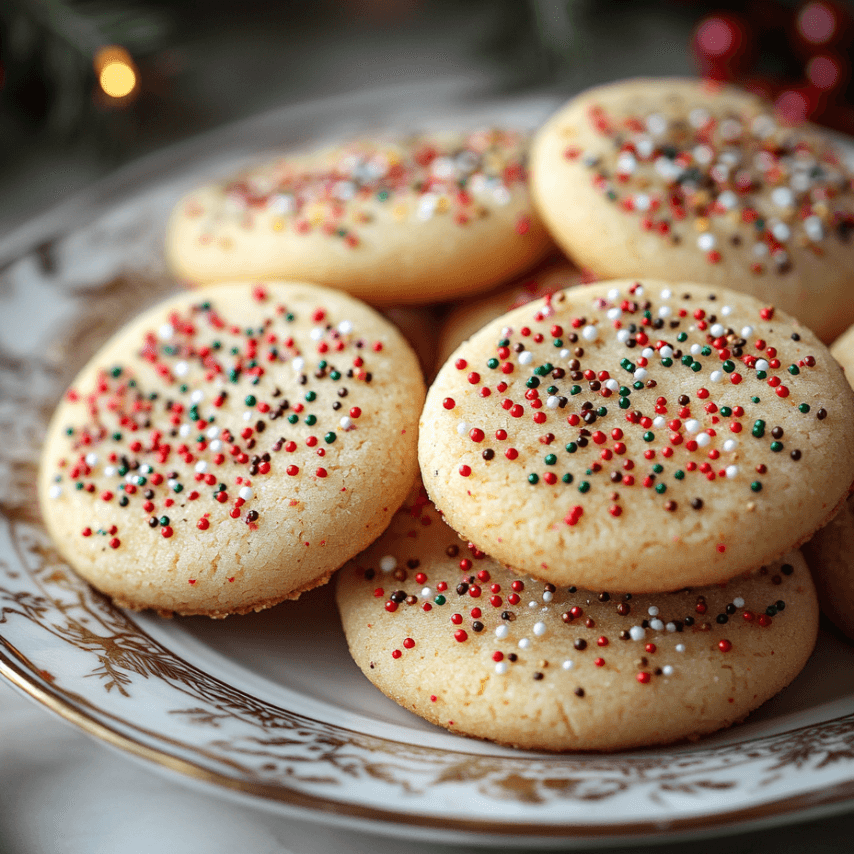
(395, 222)
(639, 436)
(830, 553)
(229, 450)
(691, 181)
(467, 316)
(455, 637)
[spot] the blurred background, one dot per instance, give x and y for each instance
(88, 85)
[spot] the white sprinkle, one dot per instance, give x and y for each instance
(184, 430)
(246, 492)
(783, 197)
(680, 647)
(738, 602)
(426, 592)
(201, 466)
(613, 294)
(501, 668)
(666, 351)
(763, 126)
(317, 333)
(667, 670)
(647, 352)
(644, 147)
(762, 365)
(706, 241)
(501, 632)
(501, 196)
(656, 123)
(145, 468)
(652, 610)
(623, 335)
(731, 471)
(55, 491)
(656, 624)
(565, 354)
(692, 425)
(641, 202)
(746, 331)
(590, 333)
(298, 364)
(345, 327)
(462, 428)
(716, 376)
(640, 374)
(181, 369)
(614, 313)
(547, 596)
(612, 385)
(658, 421)
(671, 627)
(526, 357)
(539, 629)
(524, 643)
(568, 664)
(703, 439)
(344, 190)
(637, 633)
(91, 459)
(666, 293)
(109, 471)
(717, 330)
(166, 331)
(626, 163)
(345, 423)
(212, 432)
(532, 604)
(728, 199)
(248, 415)
(698, 117)
(197, 396)
(730, 445)
(726, 311)
(814, 228)
(427, 206)
(552, 402)
(703, 154)
(696, 349)
(781, 231)
(388, 563)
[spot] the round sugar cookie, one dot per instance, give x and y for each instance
(831, 551)
(465, 318)
(639, 436)
(228, 450)
(691, 181)
(395, 222)
(455, 637)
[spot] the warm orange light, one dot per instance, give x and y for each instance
(116, 72)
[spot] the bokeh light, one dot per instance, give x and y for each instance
(117, 74)
(817, 23)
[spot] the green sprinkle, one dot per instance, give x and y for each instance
(117, 437)
(311, 396)
(293, 418)
(637, 385)
(550, 459)
(558, 342)
(804, 407)
(728, 366)
(124, 501)
(567, 478)
(624, 391)
(116, 372)
(625, 403)
(383, 195)
(234, 375)
(78, 485)
(706, 351)
(658, 468)
(756, 486)
(687, 359)
(183, 388)
(682, 336)
(667, 362)
(179, 487)
(649, 436)
(290, 317)
(532, 382)
(250, 400)
(329, 438)
(661, 488)
(776, 447)
(69, 431)
(576, 389)
(758, 428)
(492, 364)
(726, 411)
(679, 474)
(504, 342)
(572, 447)
(335, 375)
(311, 420)
(754, 399)
(584, 486)
(552, 389)
(761, 375)
(602, 411)
(625, 363)
(533, 479)
(440, 599)
(164, 520)
(794, 370)
(123, 470)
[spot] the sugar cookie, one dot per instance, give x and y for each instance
(458, 639)
(465, 318)
(689, 181)
(639, 437)
(411, 221)
(228, 450)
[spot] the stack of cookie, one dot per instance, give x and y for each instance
(601, 550)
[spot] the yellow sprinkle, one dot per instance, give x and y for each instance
(399, 212)
(443, 204)
(226, 243)
(278, 223)
(701, 223)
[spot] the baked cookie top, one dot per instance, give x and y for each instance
(225, 451)
(687, 180)
(460, 640)
(639, 437)
(400, 221)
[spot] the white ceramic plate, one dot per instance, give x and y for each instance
(269, 707)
